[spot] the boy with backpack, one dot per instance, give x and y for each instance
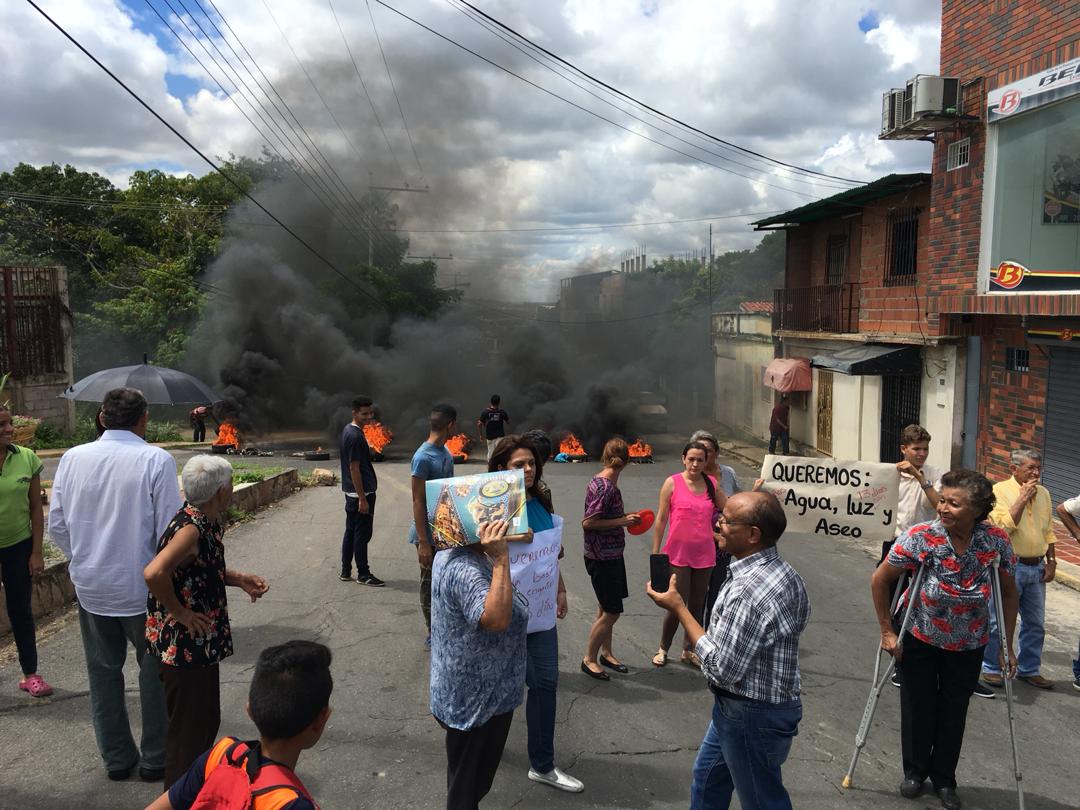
(289, 702)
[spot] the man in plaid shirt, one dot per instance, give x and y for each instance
(750, 657)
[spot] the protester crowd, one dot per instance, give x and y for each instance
(148, 567)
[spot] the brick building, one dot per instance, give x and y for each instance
(1004, 248)
(854, 305)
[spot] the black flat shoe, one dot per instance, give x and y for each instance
(151, 774)
(605, 662)
(949, 799)
(912, 787)
(600, 676)
(120, 774)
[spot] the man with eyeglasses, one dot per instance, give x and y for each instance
(750, 658)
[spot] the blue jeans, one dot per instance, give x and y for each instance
(1032, 592)
(1076, 665)
(542, 678)
(105, 641)
(743, 750)
(784, 439)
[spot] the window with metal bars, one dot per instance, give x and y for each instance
(959, 154)
(1017, 359)
(836, 253)
(901, 247)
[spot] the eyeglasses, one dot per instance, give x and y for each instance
(723, 521)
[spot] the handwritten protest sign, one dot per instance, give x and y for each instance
(834, 498)
(534, 570)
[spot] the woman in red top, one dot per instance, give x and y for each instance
(687, 502)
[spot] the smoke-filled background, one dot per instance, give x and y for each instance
(290, 342)
(332, 99)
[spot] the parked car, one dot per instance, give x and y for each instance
(651, 411)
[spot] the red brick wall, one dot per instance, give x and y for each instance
(1012, 408)
(898, 310)
(881, 309)
(987, 44)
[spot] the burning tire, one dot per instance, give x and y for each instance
(222, 449)
(316, 455)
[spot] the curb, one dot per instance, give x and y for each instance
(1068, 575)
(53, 590)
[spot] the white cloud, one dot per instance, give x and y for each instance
(798, 81)
(913, 46)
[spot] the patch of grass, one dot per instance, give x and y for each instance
(49, 437)
(51, 553)
(250, 474)
(234, 515)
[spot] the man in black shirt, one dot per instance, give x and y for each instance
(492, 424)
(359, 483)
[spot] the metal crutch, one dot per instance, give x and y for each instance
(999, 610)
(876, 684)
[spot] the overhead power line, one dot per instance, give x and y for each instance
(367, 95)
(369, 225)
(653, 110)
(816, 180)
(557, 228)
(293, 160)
(393, 87)
(299, 239)
(586, 110)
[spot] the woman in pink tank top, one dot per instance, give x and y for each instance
(687, 501)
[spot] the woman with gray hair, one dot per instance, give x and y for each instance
(943, 648)
(187, 621)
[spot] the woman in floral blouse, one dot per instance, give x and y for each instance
(950, 626)
(187, 621)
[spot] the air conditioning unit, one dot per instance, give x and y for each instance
(931, 97)
(892, 111)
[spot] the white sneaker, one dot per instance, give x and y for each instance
(557, 779)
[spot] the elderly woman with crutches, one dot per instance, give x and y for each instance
(961, 557)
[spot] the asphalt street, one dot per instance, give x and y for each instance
(631, 740)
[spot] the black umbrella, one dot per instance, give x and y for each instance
(160, 386)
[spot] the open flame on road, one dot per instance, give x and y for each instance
(572, 446)
(227, 434)
(459, 446)
(378, 436)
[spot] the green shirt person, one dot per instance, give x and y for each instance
(22, 531)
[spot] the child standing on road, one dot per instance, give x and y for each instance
(289, 702)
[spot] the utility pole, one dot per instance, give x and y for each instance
(372, 188)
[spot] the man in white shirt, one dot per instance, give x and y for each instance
(111, 501)
(918, 493)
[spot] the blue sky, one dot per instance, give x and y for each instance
(869, 21)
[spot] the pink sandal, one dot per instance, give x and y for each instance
(36, 686)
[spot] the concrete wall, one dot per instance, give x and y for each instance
(39, 397)
(52, 591)
(856, 405)
(742, 343)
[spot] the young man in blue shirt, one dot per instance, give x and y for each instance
(430, 461)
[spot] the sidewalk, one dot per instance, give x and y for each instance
(1068, 550)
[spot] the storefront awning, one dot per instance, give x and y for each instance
(788, 374)
(871, 359)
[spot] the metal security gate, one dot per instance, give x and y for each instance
(824, 411)
(1061, 451)
(901, 398)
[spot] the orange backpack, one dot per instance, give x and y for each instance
(235, 780)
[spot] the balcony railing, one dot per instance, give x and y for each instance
(826, 308)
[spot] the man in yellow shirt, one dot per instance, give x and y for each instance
(1024, 510)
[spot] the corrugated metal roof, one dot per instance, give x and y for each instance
(757, 306)
(846, 202)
